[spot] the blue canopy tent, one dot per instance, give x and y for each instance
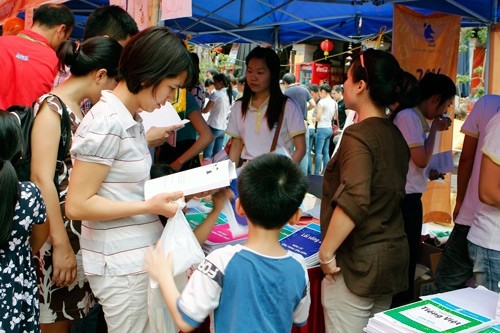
(281, 23)
(284, 22)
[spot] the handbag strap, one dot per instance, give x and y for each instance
(278, 128)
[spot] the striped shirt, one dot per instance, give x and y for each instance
(109, 135)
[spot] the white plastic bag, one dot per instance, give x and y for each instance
(179, 239)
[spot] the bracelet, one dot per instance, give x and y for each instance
(329, 261)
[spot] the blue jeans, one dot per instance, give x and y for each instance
(305, 160)
(486, 266)
(455, 267)
(217, 143)
(310, 141)
(321, 149)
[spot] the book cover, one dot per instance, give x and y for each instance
(433, 316)
(221, 232)
(197, 180)
(304, 241)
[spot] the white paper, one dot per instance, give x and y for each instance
(478, 300)
(236, 228)
(442, 162)
(197, 180)
(166, 116)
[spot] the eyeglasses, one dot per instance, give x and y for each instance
(176, 97)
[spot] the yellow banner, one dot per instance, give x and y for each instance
(429, 43)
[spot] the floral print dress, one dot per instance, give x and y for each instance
(19, 309)
(74, 301)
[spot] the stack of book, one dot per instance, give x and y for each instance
(304, 240)
(221, 234)
(433, 315)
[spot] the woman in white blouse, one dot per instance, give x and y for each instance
(111, 164)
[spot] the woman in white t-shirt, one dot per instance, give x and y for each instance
(437, 93)
(254, 117)
(218, 105)
(111, 164)
(324, 114)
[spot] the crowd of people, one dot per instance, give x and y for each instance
(76, 253)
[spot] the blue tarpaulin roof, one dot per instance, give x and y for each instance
(286, 22)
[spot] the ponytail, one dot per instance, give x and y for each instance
(10, 150)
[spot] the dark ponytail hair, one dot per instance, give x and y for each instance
(381, 72)
(94, 53)
(219, 77)
(276, 97)
(436, 84)
(10, 150)
(407, 93)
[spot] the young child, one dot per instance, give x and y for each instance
(258, 284)
(21, 206)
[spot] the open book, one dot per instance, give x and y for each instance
(197, 180)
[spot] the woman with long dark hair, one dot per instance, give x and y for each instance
(255, 117)
(21, 207)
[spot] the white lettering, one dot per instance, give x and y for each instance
(322, 69)
(22, 57)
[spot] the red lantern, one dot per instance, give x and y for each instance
(326, 46)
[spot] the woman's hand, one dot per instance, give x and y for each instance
(157, 136)
(176, 165)
(441, 123)
(330, 267)
(434, 174)
(64, 264)
(164, 203)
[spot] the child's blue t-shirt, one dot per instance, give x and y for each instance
(247, 290)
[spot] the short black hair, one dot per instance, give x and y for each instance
(52, 15)
(212, 71)
(289, 78)
(209, 82)
(325, 87)
(338, 88)
(112, 21)
(152, 55)
(271, 188)
(313, 87)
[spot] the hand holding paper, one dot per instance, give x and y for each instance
(197, 180)
(157, 136)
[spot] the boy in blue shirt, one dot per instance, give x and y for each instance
(255, 285)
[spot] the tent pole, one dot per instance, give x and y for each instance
(486, 70)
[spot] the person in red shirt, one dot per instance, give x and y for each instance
(28, 60)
